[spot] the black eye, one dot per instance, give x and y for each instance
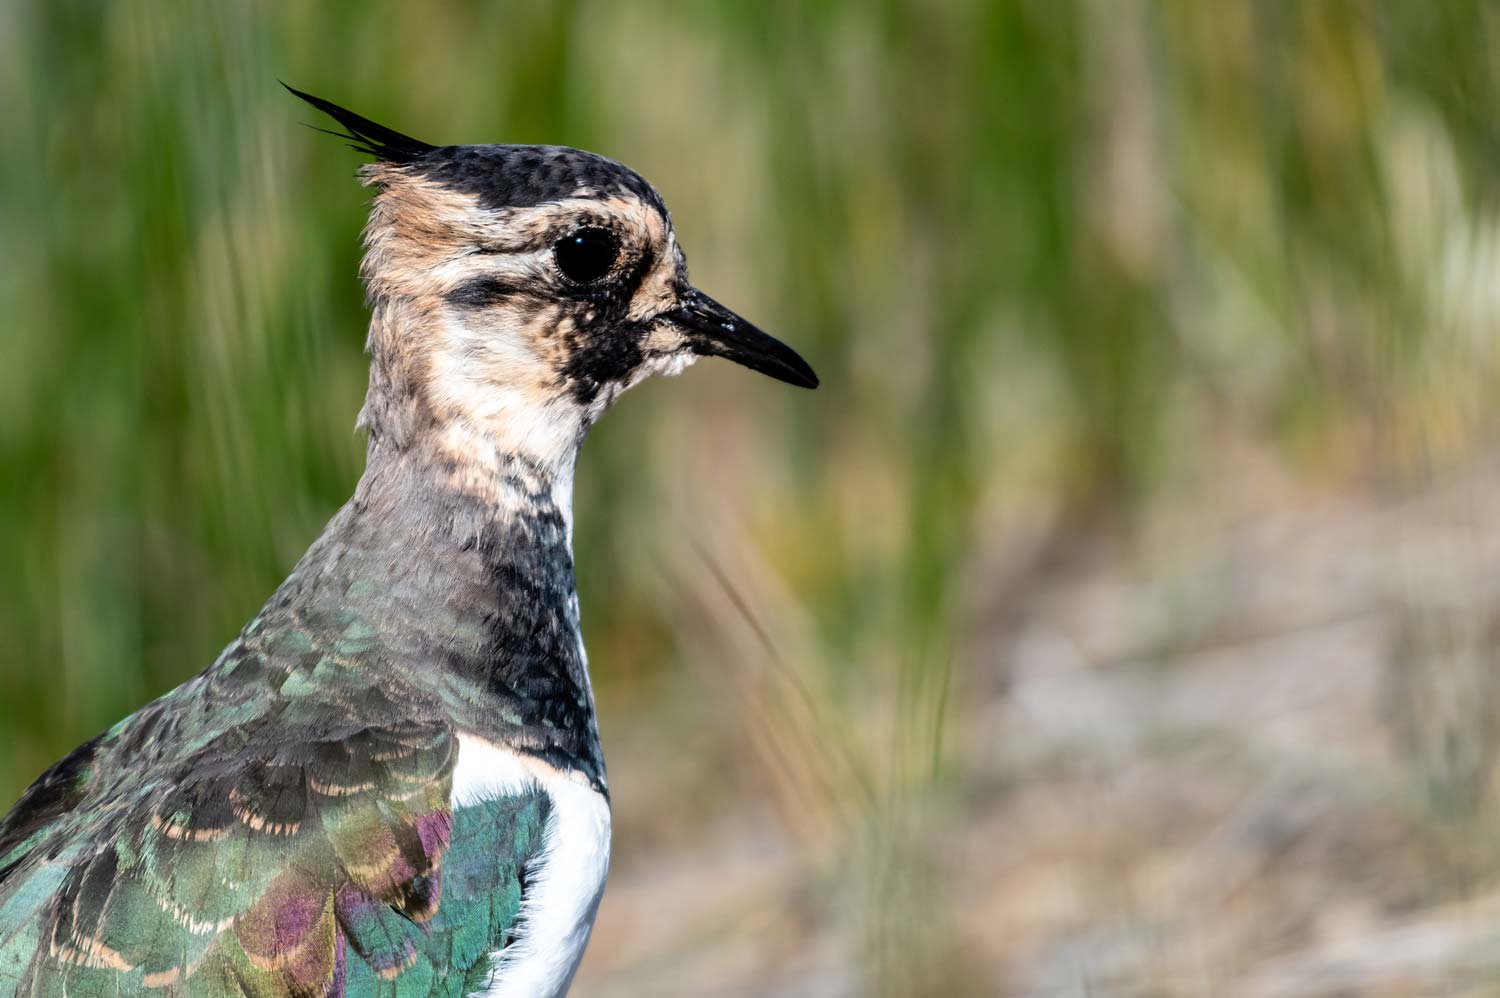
(586, 255)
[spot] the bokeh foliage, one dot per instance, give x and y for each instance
(1045, 256)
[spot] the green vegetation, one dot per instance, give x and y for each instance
(1058, 265)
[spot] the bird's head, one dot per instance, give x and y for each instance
(518, 290)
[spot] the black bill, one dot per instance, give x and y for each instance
(714, 331)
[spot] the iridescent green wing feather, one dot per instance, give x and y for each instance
(232, 841)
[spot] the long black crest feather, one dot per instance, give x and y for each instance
(366, 136)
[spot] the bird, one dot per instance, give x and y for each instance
(391, 781)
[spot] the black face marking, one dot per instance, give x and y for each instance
(504, 176)
(606, 348)
(483, 292)
(597, 360)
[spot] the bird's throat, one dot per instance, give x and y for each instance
(469, 393)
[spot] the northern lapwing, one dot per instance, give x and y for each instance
(391, 783)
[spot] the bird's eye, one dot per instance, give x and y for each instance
(584, 256)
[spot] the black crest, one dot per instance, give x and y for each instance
(364, 135)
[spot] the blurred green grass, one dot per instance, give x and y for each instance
(1047, 258)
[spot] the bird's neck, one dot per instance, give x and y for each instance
(465, 569)
(493, 474)
(446, 386)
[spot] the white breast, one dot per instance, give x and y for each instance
(564, 886)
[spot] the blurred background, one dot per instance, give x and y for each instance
(1120, 618)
